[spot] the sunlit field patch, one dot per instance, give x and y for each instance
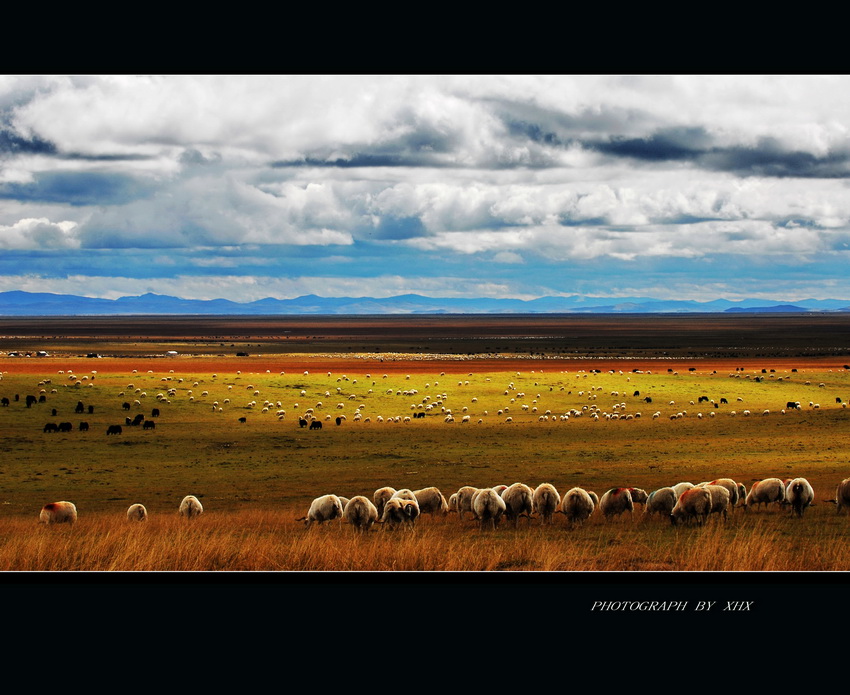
(480, 427)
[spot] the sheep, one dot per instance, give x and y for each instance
(58, 513)
(661, 501)
(638, 496)
(720, 499)
(137, 512)
(842, 495)
(577, 505)
(545, 501)
(800, 495)
(694, 503)
(616, 501)
(191, 507)
(380, 497)
(679, 488)
(463, 501)
(322, 509)
(742, 495)
(765, 492)
(431, 501)
(360, 513)
(518, 499)
(399, 511)
(404, 494)
(733, 488)
(488, 507)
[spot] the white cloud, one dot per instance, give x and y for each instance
(40, 233)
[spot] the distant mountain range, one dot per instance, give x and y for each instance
(17, 303)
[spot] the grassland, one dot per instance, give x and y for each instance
(255, 478)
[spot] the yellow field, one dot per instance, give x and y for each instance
(255, 478)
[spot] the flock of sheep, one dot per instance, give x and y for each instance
(66, 512)
(681, 503)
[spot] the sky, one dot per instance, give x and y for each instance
(243, 187)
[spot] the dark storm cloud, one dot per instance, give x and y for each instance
(72, 156)
(768, 158)
(13, 144)
(78, 188)
(665, 145)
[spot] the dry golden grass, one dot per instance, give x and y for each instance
(251, 540)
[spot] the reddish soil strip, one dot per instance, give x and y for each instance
(293, 364)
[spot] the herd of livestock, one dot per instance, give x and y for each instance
(683, 503)
(390, 508)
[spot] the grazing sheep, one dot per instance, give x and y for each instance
(360, 513)
(488, 507)
(720, 499)
(380, 498)
(404, 494)
(661, 501)
(518, 500)
(322, 509)
(399, 511)
(694, 503)
(742, 495)
(58, 513)
(842, 495)
(191, 507)
(616, 501)
(800, 495)
(463, 501)
(546, 501)
(765, 492)
(679, 488)
(638, 496)
(431, 501)
(137, 512)
(733, 488)
(578, 504)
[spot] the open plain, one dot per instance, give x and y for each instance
(596, 402)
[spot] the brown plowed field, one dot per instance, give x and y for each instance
(453, 344)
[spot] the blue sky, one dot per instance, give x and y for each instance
(245, 187)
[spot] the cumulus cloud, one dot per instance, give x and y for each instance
(39, 233)
(513, 171)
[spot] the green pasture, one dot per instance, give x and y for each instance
(199, 446)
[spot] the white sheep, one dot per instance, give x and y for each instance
(380, 497)
(800, 495)
(137, 512)
(765, 492)
(720, 499)
(679, 488)
(399, 511)
(577, 505)
(58, 513)
(735, 494)
(488, 507)
(191, 507)
(360, 513)
(518, 500)
(431, 501)
(463, 501)
(322, 509)
(546, 500)
(661, 501)
(693, 503)
(842, 495)
(616, 501)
